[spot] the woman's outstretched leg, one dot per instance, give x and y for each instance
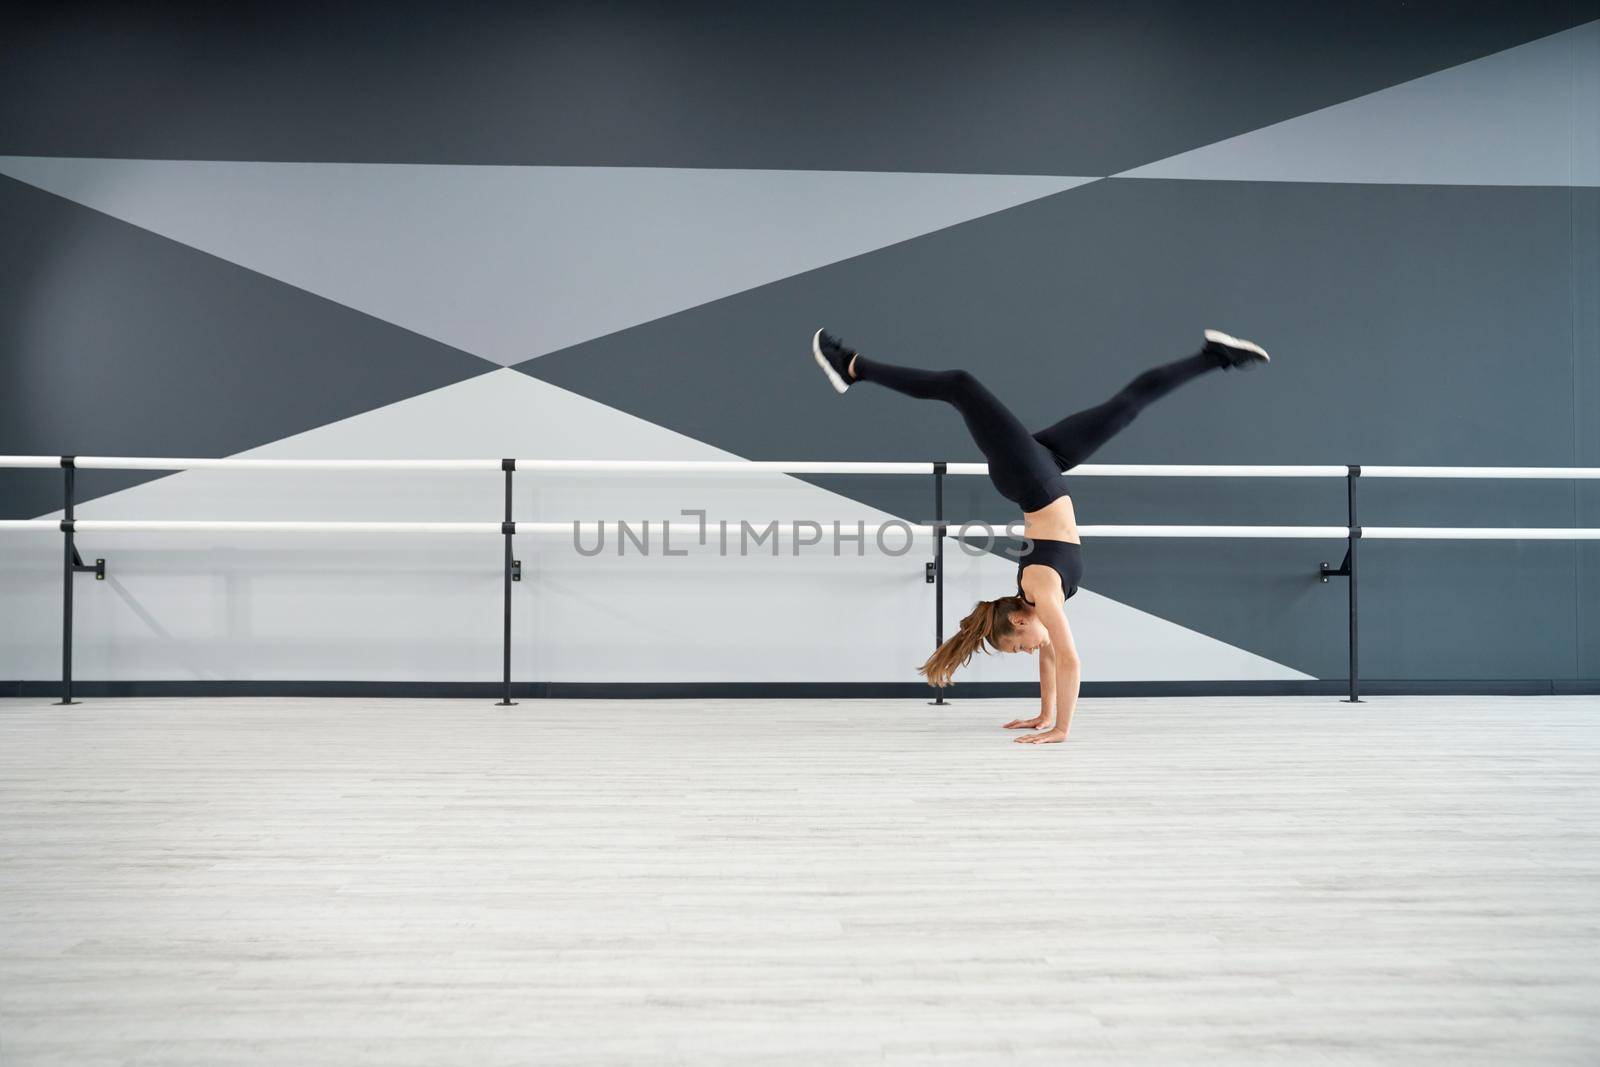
(1018, 466)
(1076, 437)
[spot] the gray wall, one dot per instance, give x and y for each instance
(608, 230)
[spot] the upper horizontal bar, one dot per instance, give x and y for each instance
(30, 461)
(147, 463)
(733, 466)
(646, 466)
(621, 466)
(737, 466)
(1180, 470)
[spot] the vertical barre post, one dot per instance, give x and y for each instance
(938, 563)
(69, 466)
(507, 465)
(1355, 537)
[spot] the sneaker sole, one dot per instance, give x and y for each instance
(839, 384)
(1218, 337)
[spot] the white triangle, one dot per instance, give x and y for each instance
(509, 263)
(428, 607)
(1527, 116)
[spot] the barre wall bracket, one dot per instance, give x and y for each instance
(98, 566)
(1343, 570)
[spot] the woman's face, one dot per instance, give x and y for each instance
(1027, 635)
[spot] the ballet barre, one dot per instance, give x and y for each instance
(756, 466)
(1352, 533)
(581, 526)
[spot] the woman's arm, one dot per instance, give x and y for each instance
(1047, 696)
(1067, 669)
(1047, 687)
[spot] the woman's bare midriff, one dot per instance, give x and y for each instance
(1056, 521)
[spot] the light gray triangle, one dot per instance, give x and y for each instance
(427, 607)
(1527, 116)
(513, 262)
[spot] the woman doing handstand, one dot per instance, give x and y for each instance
(1027, 470)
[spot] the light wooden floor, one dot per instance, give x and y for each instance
(1234, 881)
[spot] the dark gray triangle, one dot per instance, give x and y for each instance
(125, 343)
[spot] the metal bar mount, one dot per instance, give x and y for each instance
(936, 566)
(513, 574)
(1347, 569)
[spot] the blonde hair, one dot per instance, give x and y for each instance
(989, 622)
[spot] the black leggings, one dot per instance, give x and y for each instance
(1026, 467)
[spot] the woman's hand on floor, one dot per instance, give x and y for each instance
(1049, 737)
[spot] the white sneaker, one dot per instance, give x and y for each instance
(1237, 353)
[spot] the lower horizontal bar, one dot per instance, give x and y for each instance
(687, 531)
(1315, 532)
(915, 690)
(1481, 533)
(684, 531)
(1479, 472)
(197, 526)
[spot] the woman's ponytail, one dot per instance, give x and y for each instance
(989, 621)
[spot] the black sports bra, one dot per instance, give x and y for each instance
(1065, 556)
